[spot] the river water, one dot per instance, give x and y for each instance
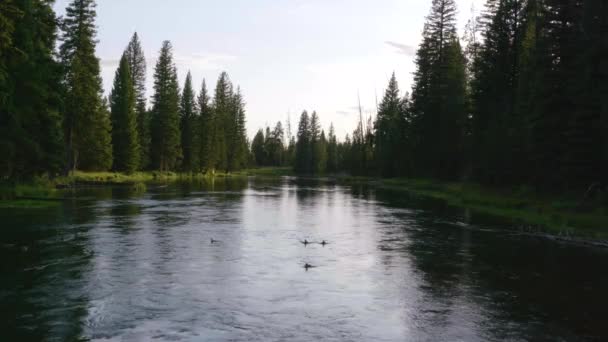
(122, 265)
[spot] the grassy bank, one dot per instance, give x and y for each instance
(43, 192)
(559, 215)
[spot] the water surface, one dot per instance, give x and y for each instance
(118, 265)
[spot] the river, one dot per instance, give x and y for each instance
(117, 264)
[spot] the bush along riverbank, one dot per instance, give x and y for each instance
(566, 216)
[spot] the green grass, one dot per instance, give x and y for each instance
(42, 192)
(556, 215)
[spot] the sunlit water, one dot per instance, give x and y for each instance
(122, 266)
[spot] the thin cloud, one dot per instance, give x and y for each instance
(197, 61)
(344, 113)
(201, 61)
(404, 49)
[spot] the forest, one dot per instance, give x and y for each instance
(519, 98)
(55, 119)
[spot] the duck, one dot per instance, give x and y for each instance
(323, 243)
(307, 266)
(213, 240)
(305, 242)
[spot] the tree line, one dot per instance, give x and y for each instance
(55, 119)
(520, 98)
(523, 102)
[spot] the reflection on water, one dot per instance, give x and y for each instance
(125, 265)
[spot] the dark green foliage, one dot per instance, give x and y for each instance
(125, 139)
(223, 125)
(390, 133)
(205, 134)
(86, 119)
(137, 65)
(438, 97)
(258, 149)
(166, 150)
(237, 134)
(269, 149)
(188, 125)
(332, 151)
(303, 155)
(31, 139)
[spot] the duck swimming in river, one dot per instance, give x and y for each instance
(323, 243)
(305, 242)
(307, 266)
(213, 240)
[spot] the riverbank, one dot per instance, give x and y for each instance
(43, 192)
(562, 216)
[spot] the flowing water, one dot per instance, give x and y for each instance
(118, 265)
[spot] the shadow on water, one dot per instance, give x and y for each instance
(530, 288)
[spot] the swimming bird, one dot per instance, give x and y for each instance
(213, 240)
(305, 242)
(323, 243)
(307, 266)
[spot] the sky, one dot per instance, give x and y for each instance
(286, 55)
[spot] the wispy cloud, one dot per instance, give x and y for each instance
(197, 61)
(203, 61)
(405, 49)
(344, 113)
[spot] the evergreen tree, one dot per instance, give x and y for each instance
(31, 139)
(125, 139)
(237, 134)
(320, 153)
(87, 125)
(137, 65)
(438, 127)
(315, 136)
(205, 130)
(390, 141)
(258, 149)
(223, 121)
(332, 150)
(166, 151)
(498, 126)
(303, 155)
(188, 120)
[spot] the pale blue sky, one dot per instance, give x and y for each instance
(287, 55)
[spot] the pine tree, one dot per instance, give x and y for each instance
(237, 136)
(87, 125)
(223, 125)
(188, 120)
(303, 155)
(320, 153)
(497, 124)
(125, 139)
(31, 139)
(315, 136)
(137, 65)
(437, 78)
(390, 141)
(205, 130)
(166, 150)
(9, 13)
(258, 150)
(332, 150)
